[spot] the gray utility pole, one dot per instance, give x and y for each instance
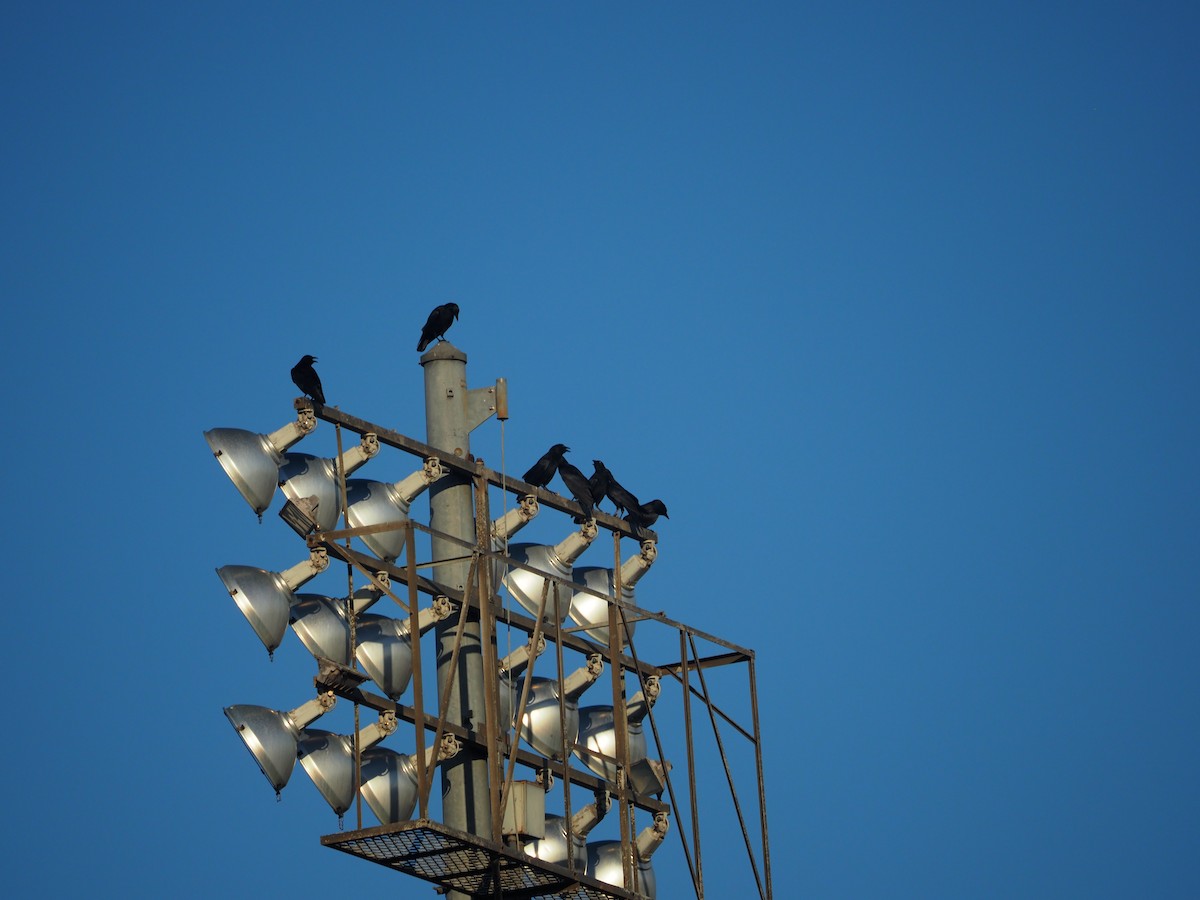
(451, 413)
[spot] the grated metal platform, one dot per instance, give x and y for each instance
(463, 862)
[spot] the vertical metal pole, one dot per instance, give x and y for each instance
(465, 800)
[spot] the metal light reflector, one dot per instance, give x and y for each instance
(378, 503)
(323, 625)
(542, 724)
(598, 734)
(389, 779)
(271, 736)
(604, 859)
(527, 587)
(252, 460)
(385, 646)
(304, 475)
(553, 847)
(328, 759)
(590, 611)
(266, 598)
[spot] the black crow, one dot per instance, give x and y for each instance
(543, 470)
(621, 498)
(647, 514)
(305, 377)
(437, 324)
(599, 482)
(577, 484)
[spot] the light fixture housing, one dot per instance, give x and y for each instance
(372, 503)
(598, 735)
(553, 847)
(527, 587)
(252, 460)
(543, 723)
(604, 859)
(266, 598)
(389, 779)
(272, 736)
(385, 648)
(303, 475)
(590, 611)
(328, 759)
(322, 623)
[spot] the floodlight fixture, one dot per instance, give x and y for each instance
(604, 858)
(378, 503)
(266, 598)
(553, 847)
(385, 648)
(272, 736)
(527, 587)
(598, 735)
(252, 460)
(543, 722)
(304, 475)
(389, 779)
(510, 668)
(509, 524)
(323, 624)
(590, 611)
(328, 758)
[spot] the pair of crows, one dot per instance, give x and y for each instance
(588, 492)
(305, 376)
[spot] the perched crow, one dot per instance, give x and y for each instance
(599, 482)
(543, 470)
(621, 498)
(305, 377)
(577, 484)
(437, 324)
(647, 514)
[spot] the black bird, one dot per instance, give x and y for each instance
(305, 377)
(543, 470)
(647, 514)
(437, 324)
(622, 499)
(577, 484)
(599, 482)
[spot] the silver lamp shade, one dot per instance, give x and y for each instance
(252, 460)
(389, 779)
(266, 598)
(604, 865)
(323, 625)
(328, 759)
(543, 722)
(597, 733)
(271, 736)
(373, 503)
(385, 652)
(591, 612)
(527, 587)
(385, 648)
(304, 475)
(553, 847)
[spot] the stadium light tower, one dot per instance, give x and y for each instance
(494, 836)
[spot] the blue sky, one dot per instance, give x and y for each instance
(896, 307)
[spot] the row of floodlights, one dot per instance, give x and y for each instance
(552, 719)
(388, 783)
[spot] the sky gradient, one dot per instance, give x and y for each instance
(895, 307)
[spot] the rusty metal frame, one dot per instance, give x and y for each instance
(479, 594)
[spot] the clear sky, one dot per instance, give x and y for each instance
(895, 305)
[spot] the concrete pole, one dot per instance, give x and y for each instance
(448, 423)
